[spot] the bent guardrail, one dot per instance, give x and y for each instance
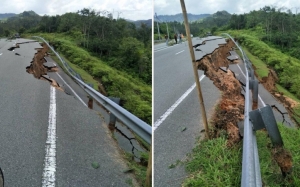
(138, 126)
(251, 175)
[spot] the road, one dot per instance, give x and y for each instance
(176, 106)
(36, 117)
(173, 86)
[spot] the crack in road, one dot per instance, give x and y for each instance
(130, 141)
(282, 114)
(39, 70)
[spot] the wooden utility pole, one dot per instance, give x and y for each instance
(188, 35)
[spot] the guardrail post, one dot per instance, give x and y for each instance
(90, 102)
(112, 117)
(149, 170)
(255, 90)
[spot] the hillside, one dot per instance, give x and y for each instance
(6, 15)
(199, 24)
(179, 17)
(147, 22)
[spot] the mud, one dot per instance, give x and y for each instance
(231, 106)
(269, 82)
(284, 160)
(39, 70)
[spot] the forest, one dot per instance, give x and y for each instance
(197, 28)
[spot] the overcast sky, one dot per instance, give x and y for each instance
(168, 7)
(130, 9)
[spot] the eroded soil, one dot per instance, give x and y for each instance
(231, 107)
(39, 70)
(230, 110)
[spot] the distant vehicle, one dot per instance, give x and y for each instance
(17, 35)
(208, 34)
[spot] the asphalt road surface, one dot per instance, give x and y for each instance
(176, 106)
(174, 92)
(47, 135)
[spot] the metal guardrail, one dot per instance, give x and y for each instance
(251, 176)
(138, 126)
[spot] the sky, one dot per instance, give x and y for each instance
(128, 9)
(171, 7)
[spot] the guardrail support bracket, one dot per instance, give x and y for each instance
(264, 118)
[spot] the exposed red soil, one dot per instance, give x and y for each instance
(38, 69)
(269, 82)
(284, 160)
(231, 106)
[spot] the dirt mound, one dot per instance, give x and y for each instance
(231, 108)
(269, 82)
(284, 160)
(287, 102)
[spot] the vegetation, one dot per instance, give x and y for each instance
(214, 164)
(197, 28)
(114, 52)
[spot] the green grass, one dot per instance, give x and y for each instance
(87, 78)
(138, 170)
(262, 69)
(286, 93)
(214, 164)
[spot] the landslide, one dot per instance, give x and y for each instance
(231, 107)
(135, 95)
(38, 69)
(283, 70)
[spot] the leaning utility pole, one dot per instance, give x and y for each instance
(188, 35)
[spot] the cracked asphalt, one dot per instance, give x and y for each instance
(82, 136)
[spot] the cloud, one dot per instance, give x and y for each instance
(128, 9)
(165, 7)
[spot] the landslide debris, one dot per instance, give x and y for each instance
(230, 110)
(231, 107)
(39, 70)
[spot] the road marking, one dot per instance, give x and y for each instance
(179, 52)
(263, 103)
(0, 54)
(172, 108)
(161, 49)
(50, 157)
(72, 90)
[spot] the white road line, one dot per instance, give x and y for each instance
(72, 90)
(179, 52)
(48, 179)
(161, 49)
(172, 108)
(0, 54)
(263, 103)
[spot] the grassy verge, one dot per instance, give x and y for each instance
(262, 69)
(84, 75)
(214, 164)
(136, 168)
